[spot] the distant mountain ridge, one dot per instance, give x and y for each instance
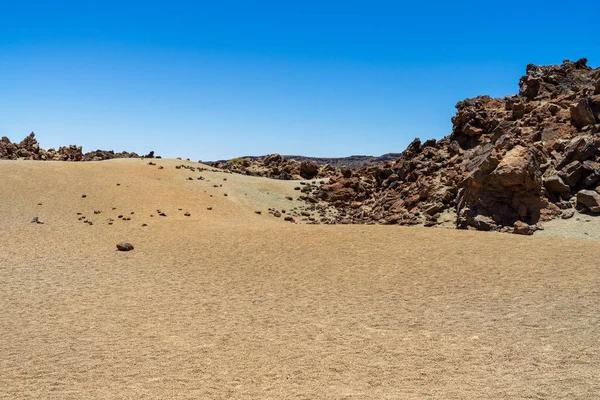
(354, 161)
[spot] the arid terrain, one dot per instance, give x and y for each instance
(225, 303)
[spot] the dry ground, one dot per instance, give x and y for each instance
(227, 304)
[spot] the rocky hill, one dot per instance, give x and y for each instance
(508, 164)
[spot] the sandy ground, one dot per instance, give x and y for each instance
(228, 304)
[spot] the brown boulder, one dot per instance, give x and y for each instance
(554, 184)
(308, 169)
(521, 228)
(590, 199)
(581, 114)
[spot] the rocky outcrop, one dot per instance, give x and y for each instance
(507, 165)
(29, 148)
(277, 167)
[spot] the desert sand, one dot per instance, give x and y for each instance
(229, 304)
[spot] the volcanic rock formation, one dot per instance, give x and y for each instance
(518, 159)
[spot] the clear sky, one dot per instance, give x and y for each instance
(213, 80)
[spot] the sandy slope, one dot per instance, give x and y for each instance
(227, 304)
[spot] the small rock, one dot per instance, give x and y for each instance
(144, 224)
(209, 208)
(83, 196)
(289, 219)
(187, 214)
(277, 214)
(521, 228)
(568, 214)
(35, 220)
(258, 212)
(124, 246)
(162, 214)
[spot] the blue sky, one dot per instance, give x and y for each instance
(212, 80)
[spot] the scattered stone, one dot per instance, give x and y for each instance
(83, 196)
(144, 224)
(277, 214)
(187, 214)
(124, 246)
(289, 218)
(35, 220)
(258, 212)
(209, 208)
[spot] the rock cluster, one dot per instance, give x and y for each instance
(29, 148)
(276, 166)
(508, 162)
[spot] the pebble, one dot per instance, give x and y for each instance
(124, 246)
